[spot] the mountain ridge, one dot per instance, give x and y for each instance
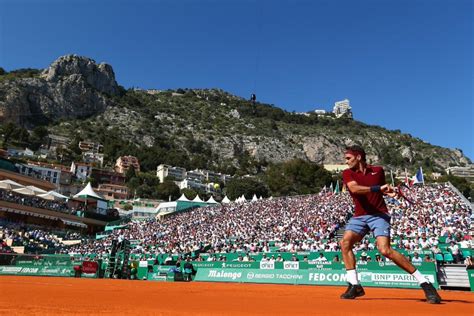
(203, 128)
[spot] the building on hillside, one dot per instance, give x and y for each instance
(57, 141)
(92, 157)
(81, 170)
(113, 191)
(335, 168)
(192, 184)
(175, 173)
(123, 163)
(107, 176)
(87, 146)
(58, 175)
(15, 152)
(196, 175)
(320, 112)
(26, 180)
(462, 172)
(342, 108)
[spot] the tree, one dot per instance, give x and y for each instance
(168, 189)
(189, 193)
(130, 173)
(296, 177)
(8, 131)
(460, 183)
(246, 186)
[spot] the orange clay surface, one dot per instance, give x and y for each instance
(60, 296)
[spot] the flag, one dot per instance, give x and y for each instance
(331, 188)
(418, 177)
(336, 190)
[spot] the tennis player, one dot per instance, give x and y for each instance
(366, 184)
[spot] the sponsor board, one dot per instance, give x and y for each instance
(310, 277)
(32, 270)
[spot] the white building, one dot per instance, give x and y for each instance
(342, 108)
(81, 170)
(192, 184)
(163, 171)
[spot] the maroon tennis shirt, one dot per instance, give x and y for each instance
(372, 202)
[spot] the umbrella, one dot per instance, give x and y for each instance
(10, 185)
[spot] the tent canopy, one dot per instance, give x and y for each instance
(10, 184)
(211, 200)
(24, 191)
(52, 195)
(225, 200)
(197, 199)
(183, 198)
(35, 189)
(89, 193)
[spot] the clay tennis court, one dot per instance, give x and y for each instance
(59, 296)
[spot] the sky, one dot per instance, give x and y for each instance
(403, 64)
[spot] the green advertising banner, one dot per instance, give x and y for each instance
(44, 271)
(376, 278)
(470, 275)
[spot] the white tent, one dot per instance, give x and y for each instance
(10, 185)
(52, 195)
(183, 198)
(197, 199)
(243, 199)
(211, 200)
(254, 198)
(260, 198)
(24, 191)
(35, 189)
(88, 193)
(225, 200)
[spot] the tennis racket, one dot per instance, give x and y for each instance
(406, 193)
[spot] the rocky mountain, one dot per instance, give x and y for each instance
(206, 128)
(72, 87)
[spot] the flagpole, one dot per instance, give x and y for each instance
(391, 176)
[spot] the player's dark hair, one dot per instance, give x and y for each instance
(357, 149)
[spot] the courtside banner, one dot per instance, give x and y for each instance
(470, 275)
(376, 278)
(45, 271)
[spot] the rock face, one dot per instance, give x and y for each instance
(72, 87)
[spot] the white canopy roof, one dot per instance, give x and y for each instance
(225, 200)
(197, 199)
(10, 184)
(254, 198)
(88, 193)
(211, 200)
(37, 190)
(52, 195)
(24, 191)
(183, 198)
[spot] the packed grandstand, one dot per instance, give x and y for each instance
(438, 228)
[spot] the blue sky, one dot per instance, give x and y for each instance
(405, 64)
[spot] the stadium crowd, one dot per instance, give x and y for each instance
(32, 237)
(305, 223)
(35, 201)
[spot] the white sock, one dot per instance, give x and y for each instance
(352, 277)
(419, 277)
